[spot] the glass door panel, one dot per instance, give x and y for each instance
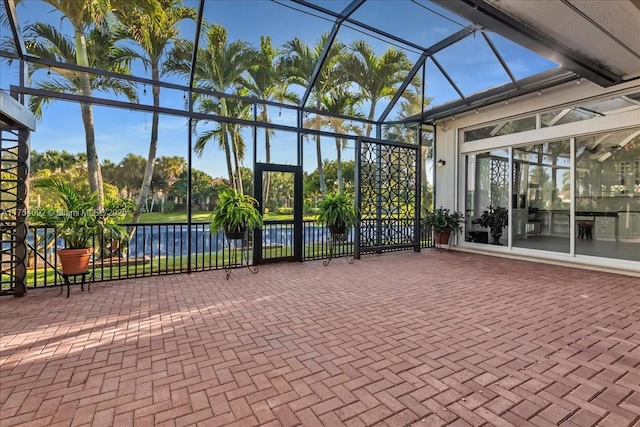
(542, 196)
(607, 192)
(279, 193)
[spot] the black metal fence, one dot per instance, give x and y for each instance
(161, 248)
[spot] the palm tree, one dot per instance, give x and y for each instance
(220, 66)
(376, 76)
(129, 175)
(86, 16)
(167, 170)
(45, 41)
(300, 60)
(154, 35)
(268, 82)
(341, 102)
(409, 106)
(225, 132)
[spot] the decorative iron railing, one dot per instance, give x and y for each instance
(161, 248)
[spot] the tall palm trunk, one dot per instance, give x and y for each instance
(423, 174)
(234, 138)
(227, 146)
(321, 177)
(267, 148)
(153, 148)
(93, 164)
(372, 112)
(339, 149)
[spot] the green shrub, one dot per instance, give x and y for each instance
(284, 210)
(169, 206)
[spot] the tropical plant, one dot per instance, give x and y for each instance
(340, 101)
(300, 61)
(200, 186)
(154, 34)
(235, 212)
(54, 160)
(268, 81)
(224, 132)
(442, 219)
(376, 76)
(221, 66)
(93, 46)
(337, 212)
(78, 222)
(47, 42)
(129, 178)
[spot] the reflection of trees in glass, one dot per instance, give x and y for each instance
(501, 128)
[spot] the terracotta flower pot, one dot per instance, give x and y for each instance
(75, 261)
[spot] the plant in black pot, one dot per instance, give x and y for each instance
(79, 223)
(235, 213)
(443, 222)
(496, 219)
(337, 212)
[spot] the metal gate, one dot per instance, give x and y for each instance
(387, 196)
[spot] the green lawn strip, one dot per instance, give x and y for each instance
(162, 264)
(166, 265)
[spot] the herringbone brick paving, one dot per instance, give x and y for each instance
(400, 339)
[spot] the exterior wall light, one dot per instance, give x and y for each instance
(441, 163)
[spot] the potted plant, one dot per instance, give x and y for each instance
(337, 212)
(235, 213)
(495, 219)
(443, 222)
(78, 222)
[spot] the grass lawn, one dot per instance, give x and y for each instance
(176, 217)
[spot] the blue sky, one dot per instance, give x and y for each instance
(470, 63)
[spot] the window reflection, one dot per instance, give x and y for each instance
(607, 193)
(487, 187)
(542, 196)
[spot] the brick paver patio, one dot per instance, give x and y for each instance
(399, 339)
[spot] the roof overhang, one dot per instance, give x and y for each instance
(14, 115)
(593, 43)
(491, 96)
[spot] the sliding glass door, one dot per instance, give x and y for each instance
(600, 207)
